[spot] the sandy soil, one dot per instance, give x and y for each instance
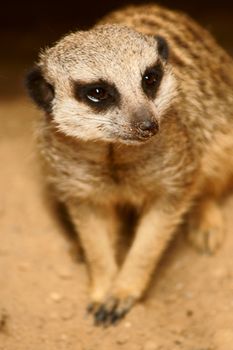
(44, 286)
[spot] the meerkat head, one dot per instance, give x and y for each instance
(110, 83)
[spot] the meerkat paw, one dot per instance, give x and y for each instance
(206, 232)
(206, 240)
(113, 309)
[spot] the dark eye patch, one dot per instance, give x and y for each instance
(151, 80)
(99, 95)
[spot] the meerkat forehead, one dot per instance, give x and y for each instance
(100, 52)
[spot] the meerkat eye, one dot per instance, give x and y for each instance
(97, 94)
(152, 79)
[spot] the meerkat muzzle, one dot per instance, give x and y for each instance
(147, 128)
(145, 123)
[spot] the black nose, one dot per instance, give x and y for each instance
(149, 125)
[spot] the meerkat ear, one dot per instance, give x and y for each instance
(41, 92)
(162, 46)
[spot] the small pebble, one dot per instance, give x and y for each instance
(41, 322)
(122, 339)
(43, 338)
(189, 295)
(178, 265)
(219, 273)
(150, 345)
(179, 286)
(177, 329)
(4, 317)
(53, 316)
(56, 297)
(67, 311)
(65, 274)
(64, 337)
(24, 266)
(127, 324)
(16, 229)
(189, 313)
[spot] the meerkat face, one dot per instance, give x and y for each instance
(110, 83)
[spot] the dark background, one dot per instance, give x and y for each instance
(26, 26)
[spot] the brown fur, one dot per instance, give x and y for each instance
(96, 171)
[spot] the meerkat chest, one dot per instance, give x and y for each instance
(124, 173)
(107, 173)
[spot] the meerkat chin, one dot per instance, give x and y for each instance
(137, 118)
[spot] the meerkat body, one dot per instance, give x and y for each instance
(129, 125)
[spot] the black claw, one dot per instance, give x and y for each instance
(107, 322)
(115, 318)
(109, 313)
(101, 316)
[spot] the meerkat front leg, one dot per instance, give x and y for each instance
(206, 226)
(94, 226)
(155, 229)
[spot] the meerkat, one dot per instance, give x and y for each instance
(139, 115)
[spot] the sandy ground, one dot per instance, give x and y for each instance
(44, 286)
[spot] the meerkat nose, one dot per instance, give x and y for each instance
(149, 125)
